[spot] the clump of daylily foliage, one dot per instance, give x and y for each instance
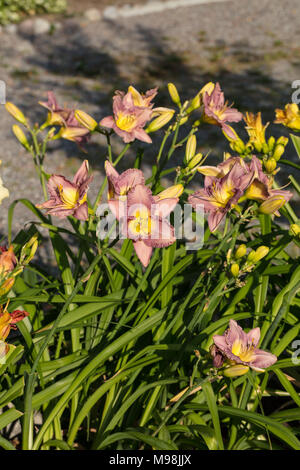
(136, 341)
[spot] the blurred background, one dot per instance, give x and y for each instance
(85, 50)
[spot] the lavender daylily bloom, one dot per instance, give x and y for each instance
(128, 120)
(119, 186)
(217, 111)
(71, 129)
(146, 223)
(66, 197)
(241, 348)
(219, 195)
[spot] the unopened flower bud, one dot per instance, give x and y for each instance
(279, 151)
(85, 120)
(260, 253)
(174, 94)
(265, 148)
(271, 143)
(160, 121)
(16, 113)
(195, 161)
(241, 251)
(295, 230)
(236, 370)
(20, 135)
(235, 269)
(270, 165)
(272, 204)
(190, 149)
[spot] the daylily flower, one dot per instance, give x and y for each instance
(146, 223)
(260, 190)
(71, 129)
(220, 194)
(8, 263)
(128, 120)
(289, 116)
(57, 116)
(143, 100)
(255, 129)
(66, 197)
(8, 321)
(239, 347)
(217, 111)
(119, 186)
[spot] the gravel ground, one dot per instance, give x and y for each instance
(250, 47)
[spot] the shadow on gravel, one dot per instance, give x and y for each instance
(243, 80)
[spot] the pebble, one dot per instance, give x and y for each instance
(92, 14)
(41, 26)
(10, 28)
(110, 13)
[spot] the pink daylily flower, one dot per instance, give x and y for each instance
(145, 222)
(128, 120)
(260, 189)
(119, 186)
(241, 348)
(66, 197)
(219, 195)
(217, 111)
(71, 129)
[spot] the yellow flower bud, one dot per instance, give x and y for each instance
(235, 269)
(282, 140)
(241, 251)
(294, 230)
(251, 256)
(173, 191)
(271, 143)
(20, 135)
(16, 113)
(174, 94)
(270, 165)
(236, 370)
(195, 103)
(195, 161)
(160, 121)
(272, 205)
(190, 149)
(265, 148)
(208, 88)
(260, 253)
(279, 151)
(85, 120)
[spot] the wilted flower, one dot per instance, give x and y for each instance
(8, 263)
(57, 115)
(128, 120)
(289, 116)
(220, 194)
(239, 347)
(71, 129)
(68, 198)
(119, 186)
(8, 321)
(146, 222)
(217, 111)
